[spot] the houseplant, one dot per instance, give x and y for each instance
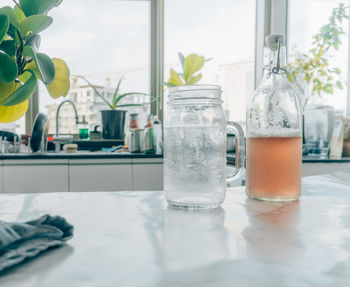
(315, 77)
(312, 72)
(21, 65)
(191, 64)
(113, 120)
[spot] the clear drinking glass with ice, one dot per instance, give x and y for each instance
(195, 147)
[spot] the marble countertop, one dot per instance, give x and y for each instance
(134, 239)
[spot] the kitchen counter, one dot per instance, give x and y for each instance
(134, 239)
(78, 155)
(94, 155)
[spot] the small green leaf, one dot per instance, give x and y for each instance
(125, 95)
(4, 25)
(23, 92)
(34, 7)
(8, 69)
(195, 79)
(337, 71)
(193, 63)
(115, 100)
(45, 69)
(7, 10)
(175, 78)
(9, 47)
(34, 24)
(33, 41)
(339, 85)
(182, 60)
(170, 85)
(19, 14)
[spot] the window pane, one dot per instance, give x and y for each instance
(102, 40)
(222, 30)
(306, 17)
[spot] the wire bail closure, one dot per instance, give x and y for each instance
(276, 69)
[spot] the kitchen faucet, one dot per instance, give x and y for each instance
(57, 122)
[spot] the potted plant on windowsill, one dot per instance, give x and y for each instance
(312, 72)
(113, 120)
(21, 65)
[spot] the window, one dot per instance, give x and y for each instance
(118, 44)
(305, 19)
(102, 49)
(222, 30)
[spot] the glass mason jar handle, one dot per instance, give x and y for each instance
(240, 150)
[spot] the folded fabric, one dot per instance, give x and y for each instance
(19, 241)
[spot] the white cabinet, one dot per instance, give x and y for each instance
(100, 175)
(148, 174)
(35, 176)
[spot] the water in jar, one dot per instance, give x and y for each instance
(195, 167)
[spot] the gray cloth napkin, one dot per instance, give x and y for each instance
(19, 241)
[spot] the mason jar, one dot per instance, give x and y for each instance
(195, 131)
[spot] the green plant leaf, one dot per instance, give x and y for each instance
(115, 99)
(34, 24)
(6, 90)
(195, 79)
(125, 95)
(339, 85)
(19, 14)
(337, 71)
(8, 69)
(61, 84)
(33, 41)
(182, 60)
(170, 85)
(34, 7)
(9, 47)
(175, 78)
(7, 10)
(129, 105)
(24, 91)
(45, 69)
(4, 26)
(13, 113)
(193, 63)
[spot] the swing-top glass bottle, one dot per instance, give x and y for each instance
(274, 131)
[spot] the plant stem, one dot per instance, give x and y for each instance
(17, 4)
(19, 57)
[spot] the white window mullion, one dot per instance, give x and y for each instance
(348, 79)
(157, 55)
